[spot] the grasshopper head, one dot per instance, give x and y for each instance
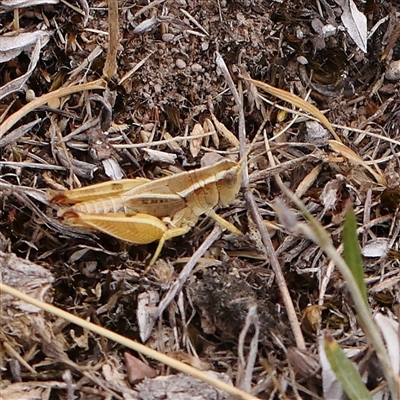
(229, 185)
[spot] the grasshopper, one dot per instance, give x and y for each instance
(142, 211)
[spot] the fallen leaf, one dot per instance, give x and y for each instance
(17, 84)
(376, 248)
(355, 158)
(136, 369)
(355, 22)
(224, 131)
(12, 45)
(146, 312)
(195, 144)
(12, 4)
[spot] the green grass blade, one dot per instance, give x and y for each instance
(345, 372)
(352, 254)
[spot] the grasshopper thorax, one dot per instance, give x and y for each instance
(229, 185)
(230, 178)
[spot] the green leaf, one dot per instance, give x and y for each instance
(345, 371)
(352, 254)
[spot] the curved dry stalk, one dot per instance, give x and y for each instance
(40, 101)
(295, 100)
(203, 376)
(318, 234)
(255, 213)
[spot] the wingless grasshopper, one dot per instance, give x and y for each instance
(142, 211)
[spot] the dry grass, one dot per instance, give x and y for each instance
(253, 308)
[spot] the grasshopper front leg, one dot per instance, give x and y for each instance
(224, 223)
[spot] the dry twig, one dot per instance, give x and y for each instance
(252, 206)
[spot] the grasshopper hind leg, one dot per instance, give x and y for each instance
(173, 232)
(169, 234)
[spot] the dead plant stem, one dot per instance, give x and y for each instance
(186, 271)
(280, 279)
(317, 233)
(147, 351)
(39, 101)
(110, 67)
(255, 213)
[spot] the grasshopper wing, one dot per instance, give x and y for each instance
(95, 192)
(159, 205)
(196, 189)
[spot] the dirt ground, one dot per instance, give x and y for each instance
(168, 85)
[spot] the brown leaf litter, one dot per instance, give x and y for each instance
(166, 96)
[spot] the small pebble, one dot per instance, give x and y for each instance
(205, 45)
(197, 68)
(328, 30)
(180, 63)
(168, 37)
(30, 95)
(393, 72)
(302, 60)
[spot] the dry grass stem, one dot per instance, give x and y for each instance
(127, 343)
(110, 67)
(42, 100)
(185, 85)
(252, 206)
